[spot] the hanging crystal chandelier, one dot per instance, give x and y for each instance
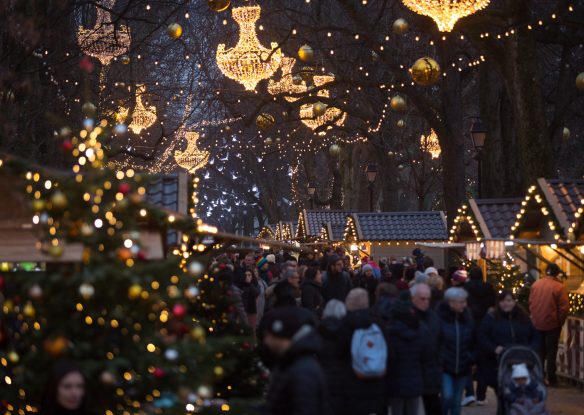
(192, 158)
(286, 84)
(331, 114)
(248, 62)
(430, 144)
(104, 41)
(446, 12)
(142, 117)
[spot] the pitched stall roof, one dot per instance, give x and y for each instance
(485, 219)
(285, 231)
(549, 211)
(332, 232)
(396, 226)
(310, 221)
(267, 232)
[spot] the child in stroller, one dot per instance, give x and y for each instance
(520, 377)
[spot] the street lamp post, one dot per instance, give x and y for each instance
(371, 172)
(311, 191)
(478, 134)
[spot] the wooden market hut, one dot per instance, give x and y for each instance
(267, 232)
(395, 234)
(332, 233)
(310, 223)
(548, 228)
(285, 231)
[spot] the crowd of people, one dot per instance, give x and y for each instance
(431, 337)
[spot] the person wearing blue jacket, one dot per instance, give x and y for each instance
(457, 338)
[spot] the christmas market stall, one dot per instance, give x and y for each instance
(285, 231)
(332, 233)
(394, 234)
(547, 228)
(267, 232)
(310, 223)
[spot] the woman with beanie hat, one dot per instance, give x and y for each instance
(366, 279)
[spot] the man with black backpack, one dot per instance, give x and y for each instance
(336, 282)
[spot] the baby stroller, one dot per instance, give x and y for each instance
(515, 355)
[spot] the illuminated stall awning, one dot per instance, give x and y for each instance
(310, 222)
(267, 232)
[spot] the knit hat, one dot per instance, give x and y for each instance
(286, 321)
(520, 371)
(261, 262)
(271, 258)
(460, 276)
(421, 277)
(334, 259)
(366, 267)
(431, 270)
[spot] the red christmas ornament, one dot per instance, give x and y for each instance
(124, 188)
(86, 65)
(179, 310)
(158, 373)
(67, 146)
(141, 255)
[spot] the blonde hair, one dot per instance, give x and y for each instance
(357, 299)
(436, 282)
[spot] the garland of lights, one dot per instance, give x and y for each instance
(534, 195)
(446, 12)
(331, 114)
(248, 62)
(286, 83)
(104, 41)
(464, 216)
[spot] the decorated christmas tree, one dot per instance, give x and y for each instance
(148, 324)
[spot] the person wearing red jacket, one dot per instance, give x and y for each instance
(549, 306)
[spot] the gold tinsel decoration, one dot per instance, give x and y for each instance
(248, 62)
(287, 84)
(192, 158)
(425, 71)
(430, 144)
(446, 12)
(331, 114)
(104, 41)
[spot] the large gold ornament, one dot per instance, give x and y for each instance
(218, 5)
(288, 83)
(425, 71)
(265, 121)
(142, 117)
(174, 30)
(566, 133)
(104, 41)
(430, 144)
(332, 114)
(400, 26)
(305, 53)
(192, 158)
(580, 81)
(248, 62)
(334, 150)
(446, 12)
(398, 103)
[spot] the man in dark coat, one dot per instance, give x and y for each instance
(432, 372)
(297, 385)
(336, 282)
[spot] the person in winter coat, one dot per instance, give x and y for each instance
(481, 297)
(65, 391)
(249, 294)
(234, 296)
(311, 296)
(456, 348)
(361, 396)
(385, 295)
(436, 283)
(336, 283)
(431, 371)
(297, 384)
(405, 383)
(287, 290)
(504, 326)
(549, 306)
(334, 356)
(366, 279)
(261, 298)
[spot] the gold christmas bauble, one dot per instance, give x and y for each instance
(318, 109)
(265, 121)
(88, 109)
(28, 310)
(174, 30)
(13, 357)
(425, 71)
(400, 26)
(566, 133)
(134, 291)
(59, 200)
(306, 73)
(219, 371)
(218, 5)
(125, 59)
(38, 205)
(401, 123)
(5, 266)
(198, 333)
(305, 53)
(334, 150)
(398, 103)
(580, 81)
(268, 141)
(55, 251)
(56, 346)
